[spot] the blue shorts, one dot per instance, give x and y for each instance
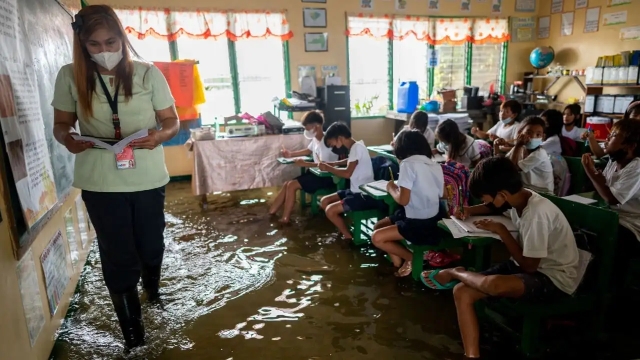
(358, 201)
(417, 231)
(311, 183)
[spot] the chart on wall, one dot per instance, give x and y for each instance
(54, 267)
(30, 294)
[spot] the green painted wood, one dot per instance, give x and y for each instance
(235, 81)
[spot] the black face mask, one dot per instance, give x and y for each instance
(618, 155)
(499, 210)
(340, 150)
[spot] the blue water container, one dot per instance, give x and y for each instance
(408, 97)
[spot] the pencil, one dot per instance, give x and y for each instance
(391, 173)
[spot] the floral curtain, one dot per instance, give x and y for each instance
(490, 31)
(376, 27)
(169, 24)
(416, 27)
(452, 31)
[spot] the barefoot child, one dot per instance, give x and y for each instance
(544, 258)
(455, 145)
(419, 189)
(359, 171)
(309, 183)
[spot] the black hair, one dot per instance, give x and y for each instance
(336, 130)
(633, 110)
(532, 120)
(411, 142)
(574, 109)
(514, 106)
(449, 133)
(554, 123)
(419, 120)
(630, 131)
(312, 117)
(494, 174)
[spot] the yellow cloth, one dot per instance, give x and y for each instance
(190, 113)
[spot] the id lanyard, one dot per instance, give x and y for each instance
(113, 104)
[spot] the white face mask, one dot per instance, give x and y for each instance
(107, 60)
(309, 134)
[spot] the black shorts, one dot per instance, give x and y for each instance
(358, 201)
(537, 286)
(417, 231)
(311, 183)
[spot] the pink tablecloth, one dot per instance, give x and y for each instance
(242, 163)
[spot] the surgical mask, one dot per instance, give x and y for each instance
(107, 60)
(506, 121)
(533, 143)
(309, 134)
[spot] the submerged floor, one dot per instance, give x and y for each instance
(238, 286)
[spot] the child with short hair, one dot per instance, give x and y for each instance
(420, 121)
(359, 171)
(571, 118)
(457, 146)
(418, 190)
(530, 158)
(506, 128)
(552, 132)
(544, 257)
(308, 182)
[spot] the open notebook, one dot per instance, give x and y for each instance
(379, 185)
(467, 224)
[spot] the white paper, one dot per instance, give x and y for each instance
(614, 18)
(119, 146)
(581, 4)
(567, 24)
(580, 199)
(630, 33)
(379, 185)
(556, 6)
(544, 26)
(592, 20)
(56, 274)
(292, 160)
(468, 226)
(30, 294)
(457, 232)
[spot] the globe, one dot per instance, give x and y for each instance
(541, 57)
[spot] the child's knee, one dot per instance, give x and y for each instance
(377, 238)
(325, 202)
(462, 293)
(382, 223)
(293, 185)
(333, 209)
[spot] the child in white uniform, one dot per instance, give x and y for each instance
(552, 132)
(420, 121)
(571, 119)
(419, 189)
(507, 128)
(455, 145)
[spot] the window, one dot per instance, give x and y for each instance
(151, 48)
(450, 72)
(368, 75)
(410, 64)
(260, 73)
(486, 66)
(213, 58)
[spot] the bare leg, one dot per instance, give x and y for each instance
(279, 200)
(464, 297)
(382, 223)
(290, 199)
(328, 200)
(387, 239)
(334, 213)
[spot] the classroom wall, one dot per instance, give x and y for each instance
(581, 50)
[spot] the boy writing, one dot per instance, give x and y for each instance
(544, 258)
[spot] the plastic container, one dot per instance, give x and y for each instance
(408, 97)
(432, 106)
(601, 126)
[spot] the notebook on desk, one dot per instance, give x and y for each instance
(580, 199)
(467, 224)
(379, 185)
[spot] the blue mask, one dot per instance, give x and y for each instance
(506, 121)
(533, 143)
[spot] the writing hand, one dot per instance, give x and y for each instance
(462, 213)
(76, 146)
(148, 142)
(286, 153)
(490, 225)
(391, 185)
(323, 166)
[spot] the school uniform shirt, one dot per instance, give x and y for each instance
(425, 179)
(321, 152)
(536, 171)
(544, 233)
(428, 134)
(625, 186)
(552, 145)
(470, 151)
(575, 133)
(504, 132)
(363, 173)
(95, 169)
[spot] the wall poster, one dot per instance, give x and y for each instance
(54, 267)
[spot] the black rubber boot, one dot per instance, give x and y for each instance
(129, 312)
(151, 282)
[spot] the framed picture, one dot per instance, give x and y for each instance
(315, 1)
(316, 42)
(314, 18)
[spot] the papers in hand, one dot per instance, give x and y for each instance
(118, 146)
(580, 199)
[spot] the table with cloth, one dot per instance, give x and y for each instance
(242, 163)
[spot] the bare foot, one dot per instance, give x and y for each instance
(405, 269)
(446, 275)
(284, 221)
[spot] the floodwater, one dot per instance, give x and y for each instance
(236, 285)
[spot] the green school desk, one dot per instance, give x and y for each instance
(383, 152)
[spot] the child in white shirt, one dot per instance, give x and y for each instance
(530, 158)
(309, 183)
(571, 119)
(506, 128)
(552, 132)
(359, 171)
(420, 121)
(455, 145)
(418, 190)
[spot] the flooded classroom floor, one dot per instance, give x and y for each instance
(237, 285)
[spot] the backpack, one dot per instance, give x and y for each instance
(484, 149)
(456, 189)
(381, 166)
(569, 146)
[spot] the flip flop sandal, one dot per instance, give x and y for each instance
(404, 270)
(428, 278)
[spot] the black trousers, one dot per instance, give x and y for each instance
(130, 230)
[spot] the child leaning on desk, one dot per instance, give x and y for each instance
(308, 182)
(419, 189)
(359, 170)
(544, 257)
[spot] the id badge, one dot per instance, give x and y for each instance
(126, 160)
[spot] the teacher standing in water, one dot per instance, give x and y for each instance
(112, 96)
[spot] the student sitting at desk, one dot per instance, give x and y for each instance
(571, 117)
(419, 189)
(552, 143)
(359, 171)
(530, 158)
(309, 183)
(420, 121)
(506, 128)
(632, 113)
(619, 183)
(544, 257)
(456, 146)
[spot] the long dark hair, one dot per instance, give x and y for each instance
(419, 120)
(449, 133)
(554, 123)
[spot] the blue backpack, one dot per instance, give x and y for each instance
(381, 166)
